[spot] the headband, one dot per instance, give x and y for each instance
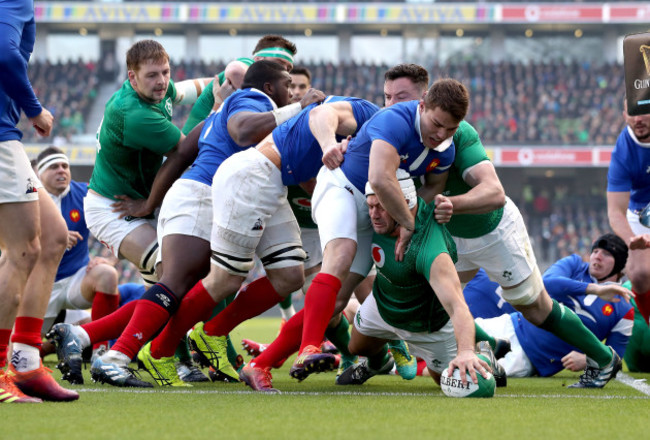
(51, 160)
(275, 52)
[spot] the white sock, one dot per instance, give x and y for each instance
(116, 357)
(288, 312)
(25, 357)
(82, 335)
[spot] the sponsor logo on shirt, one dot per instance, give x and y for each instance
(378, 255)
(434, 163)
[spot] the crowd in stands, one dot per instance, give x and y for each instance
(540, 103)
(68, 91)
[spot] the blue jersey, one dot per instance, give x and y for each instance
(483, 297)
(300, 152)
(629, 169)
(17, 36)
(215, 144)
(130, 292)
(566, 282)
(399, 125)
(72, 209)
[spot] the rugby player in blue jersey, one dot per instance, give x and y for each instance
(33, 234)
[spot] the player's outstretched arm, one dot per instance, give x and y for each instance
(486, 195)
(326, 122)
(444, 281)
(178, 159)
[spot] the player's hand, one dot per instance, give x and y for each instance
(333, 154)
(96, 262)
(74, 237)
(640, 242)
(609, 291)
(226, 89)
(574, 361)
(403, 242)
(43, 122)
(467, 361)
(444, 209)
(312, 96)
(126, 206)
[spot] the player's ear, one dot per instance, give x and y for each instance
(268, 88)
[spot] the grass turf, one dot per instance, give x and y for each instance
(385, 407)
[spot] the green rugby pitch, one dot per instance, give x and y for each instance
(386, 407)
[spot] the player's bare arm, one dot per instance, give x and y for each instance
(617, 203)
(166, 176)
(382, 169)
(43, 122)
(327, 121)
(445, 283)
(486, 195)
(189, 90)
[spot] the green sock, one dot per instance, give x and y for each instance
(183, 350)
(566, 325)
(287, 302)
(375, 362)
(481, 335)
(340, 337)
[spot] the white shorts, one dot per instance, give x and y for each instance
(515, 362)
(106, 225)
(311, 245)
(437, 348)
(19, 182)
(251, 214)
(340, 211)
(505, 253)
(186, 210)
(66, 294)
(635, 224)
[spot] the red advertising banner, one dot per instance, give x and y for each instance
(545, 13)
(629, 13)
(551, 157)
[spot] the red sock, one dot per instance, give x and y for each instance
(287, 342)
(148, 317)
(254, 299)
(103, 304)
(5, 333)
(27, 330)
(110, 326)
(643, 303)
(196, 306)
(320, 301)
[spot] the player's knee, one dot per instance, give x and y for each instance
(54, 239)
(105, 278)
(287, 279)
(527, 292)
(23, 258)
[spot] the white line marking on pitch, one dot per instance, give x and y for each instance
(638, 384)
(350, 393)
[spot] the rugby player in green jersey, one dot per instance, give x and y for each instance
(490, 233)
(418, 299)
(134, 135)
(270, 47)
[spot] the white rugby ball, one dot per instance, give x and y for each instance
(452, 386)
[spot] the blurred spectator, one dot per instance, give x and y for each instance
(68, 91)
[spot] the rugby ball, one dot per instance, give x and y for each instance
(452, 386)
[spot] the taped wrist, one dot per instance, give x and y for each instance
(287, 112)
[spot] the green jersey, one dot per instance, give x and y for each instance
(404, 296)
(637, 353)
(300, 202)
(203, 105)
(469, 152)
(131, 141)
